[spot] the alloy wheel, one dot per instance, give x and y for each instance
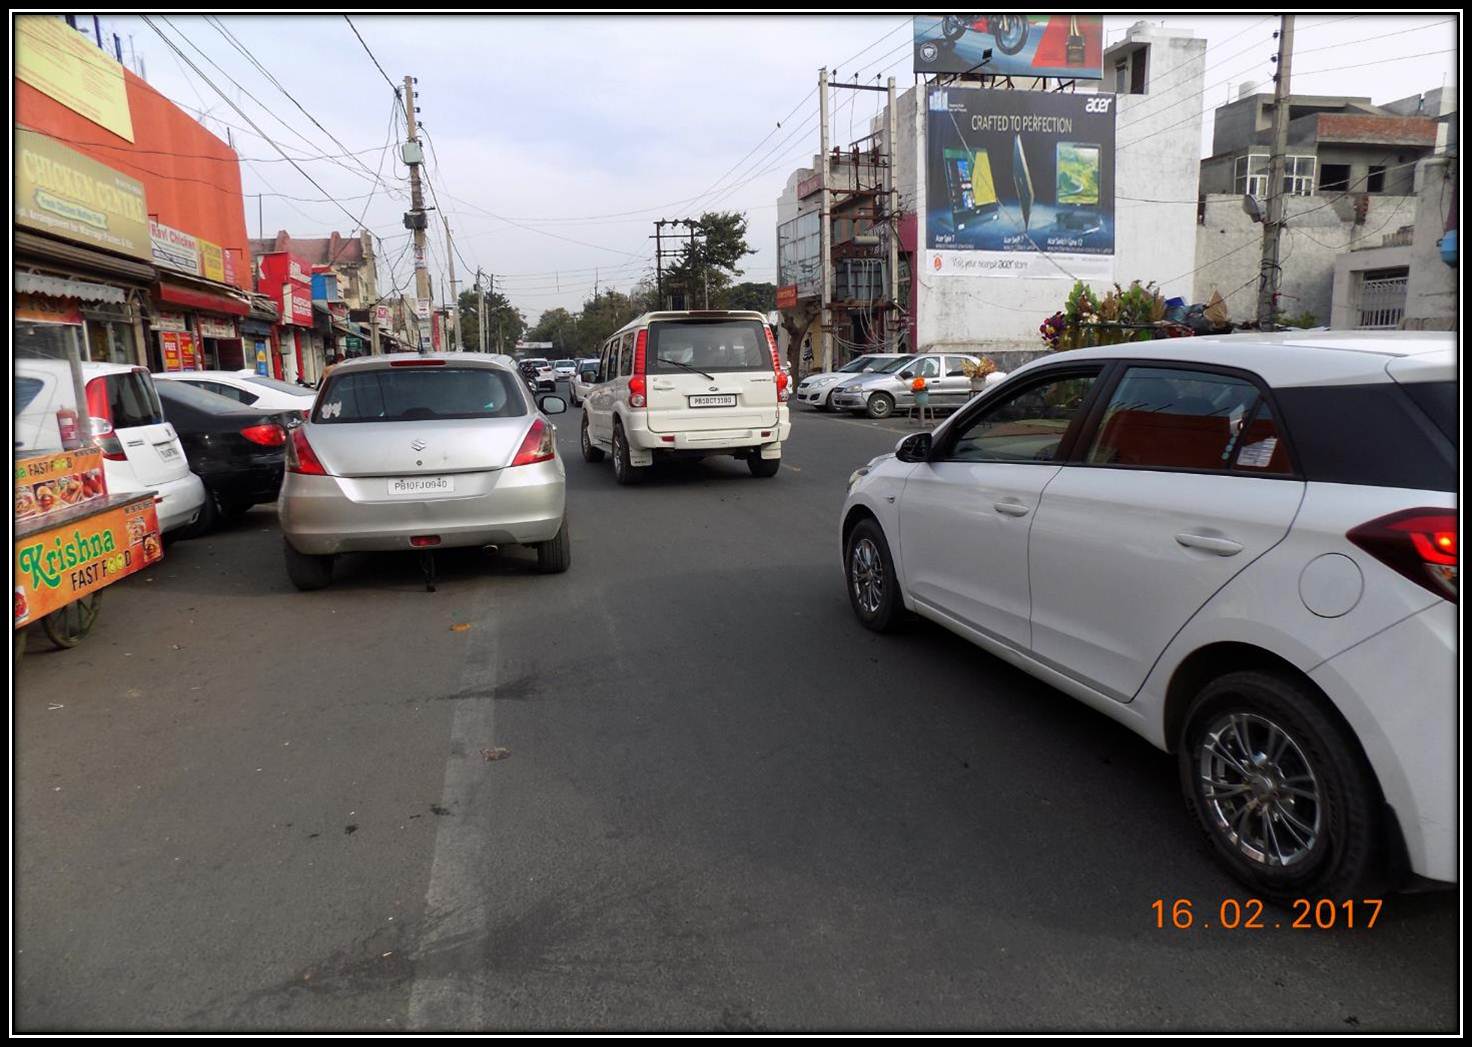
(1260, 791)
(866, 574)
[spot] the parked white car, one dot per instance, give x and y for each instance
(254, 390)
(881, 392)
(1242, 548)
(815, 390)
(687, 385)
(140, 450)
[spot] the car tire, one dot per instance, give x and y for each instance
(826, 404)
(591, 452)
(762, 467)
(555, 555)
(624, 471)
(209, 518)
(307, 572)
(1268, 733)
(880, 405)
(869, 575)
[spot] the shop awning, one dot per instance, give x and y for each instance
(50, 252)
(59, 287)
(205, 301)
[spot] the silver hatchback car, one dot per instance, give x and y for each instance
(412, 451)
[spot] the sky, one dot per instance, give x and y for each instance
(557, 140)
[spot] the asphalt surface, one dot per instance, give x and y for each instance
(716, 803)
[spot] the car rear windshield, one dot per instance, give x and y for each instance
(566, 363)
(1439, 401)
(132, 402)
(277, 384)
(200, 399)
(419, 393)
(707, 345)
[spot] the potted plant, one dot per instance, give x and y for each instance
(978, 371)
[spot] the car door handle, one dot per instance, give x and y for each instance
(1210, 544)
(1011, 508)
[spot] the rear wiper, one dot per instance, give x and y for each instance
(667, 360)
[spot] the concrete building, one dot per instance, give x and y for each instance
(350, 258)
(1352, 180)
(1157, 167)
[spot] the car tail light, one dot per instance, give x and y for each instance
(536, 446)
(300, 458)
(100, 410)
(1420, 544)
(638, 390)
(783, 392)
(267, 434)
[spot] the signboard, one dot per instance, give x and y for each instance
(283, 278)
(187, 358)
(1065, 46)
(787, 297)
(1019, 184)
(382, 317)
(168, 322)
(61, 192)
(229, 267)
(211, 261)
(62, 64)
(211, 327)
(173, 248)
(52, 482)
(263, 361)
(422, 307)
(43, 309)
(168, 343)
(57, 566)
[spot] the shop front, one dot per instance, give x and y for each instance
(285, 280)
(195, 326)
(259, 336)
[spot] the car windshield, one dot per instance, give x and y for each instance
(277, 384)
(566, 363)
(394, 394)
(893, 365)
(857, 365)
(703, 345)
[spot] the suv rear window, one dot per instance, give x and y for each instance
(132, 402)
(707, 345)
(395, 394)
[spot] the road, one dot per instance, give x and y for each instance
(722, 804)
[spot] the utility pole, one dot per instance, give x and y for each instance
(894, 225)
(480, 313)
(453, 334)
(825, 233)
(1272, 230)
(659, 262)
(416, 220)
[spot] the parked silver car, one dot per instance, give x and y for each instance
(418, 452)
(879, 394)
(816, 390)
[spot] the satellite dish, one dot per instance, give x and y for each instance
(1251, 208)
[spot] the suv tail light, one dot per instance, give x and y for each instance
(300, 458)
(536, 446)
(267, 434)
(1420, 544)
(638, 390)
(100, 410)
(783, 392)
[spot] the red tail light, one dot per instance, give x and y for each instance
(783, 393)
(638, 390)
(101, 412)
(267, 434)
(1420, 544)
(537, 446)
(300, 458)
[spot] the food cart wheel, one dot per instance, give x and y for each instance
(70, 625)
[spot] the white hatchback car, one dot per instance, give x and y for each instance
(140, 450)
(687, 385)
(254, 390)
(1242, 548)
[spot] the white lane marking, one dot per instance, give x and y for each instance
(450, 980)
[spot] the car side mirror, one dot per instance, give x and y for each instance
(914, 448)
(552, 405)
(907, 374)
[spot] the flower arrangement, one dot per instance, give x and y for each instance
(978, 371)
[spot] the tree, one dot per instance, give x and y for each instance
(557, 326)
(504, 322)
(761, 297)
(704, 270)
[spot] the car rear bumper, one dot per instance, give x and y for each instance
(178, 501)
(1398, 690)
(323, 515)
(253, 485)
(715, 441)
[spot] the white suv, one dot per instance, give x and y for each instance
(687, 385)
(1242, 548)
(140, 450)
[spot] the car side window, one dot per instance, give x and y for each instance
(1026, 426)
(626, 355)
(926, 368)
(954, 368)
(1164, 418)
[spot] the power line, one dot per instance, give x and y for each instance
(392, 86)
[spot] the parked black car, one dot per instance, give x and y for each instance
(239, 452)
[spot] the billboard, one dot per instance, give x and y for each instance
(1065, 46)
(1019, 183)
(58, 61)
(61, 192)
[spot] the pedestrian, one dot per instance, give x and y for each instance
(921, 391)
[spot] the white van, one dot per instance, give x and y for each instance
(140, 450)
(686, 385)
